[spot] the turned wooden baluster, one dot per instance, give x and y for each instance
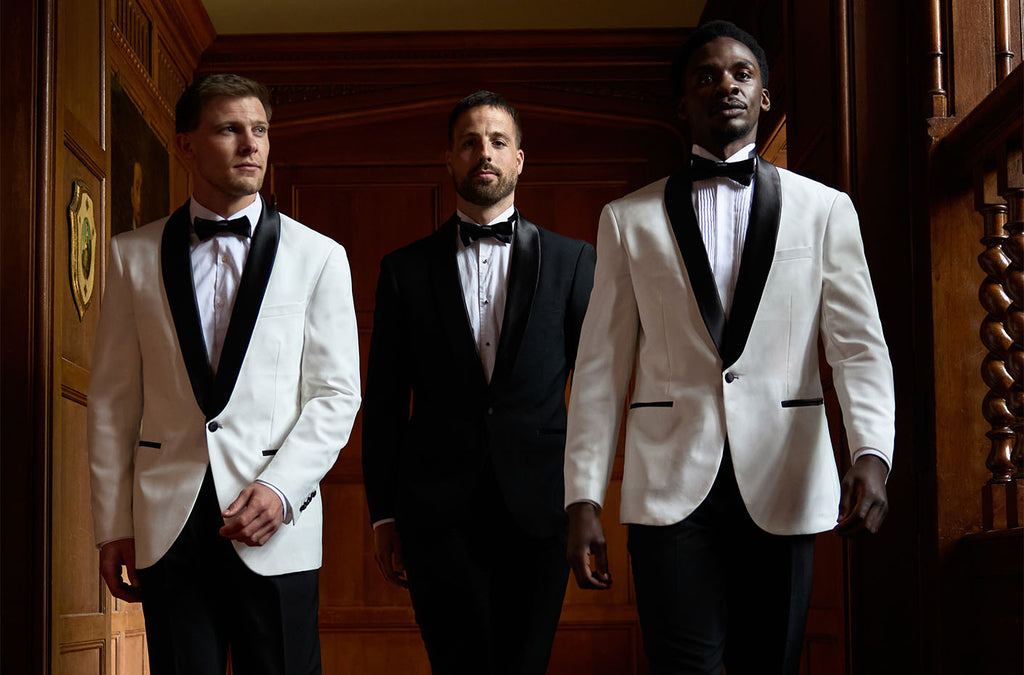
(996, 504)
(1013, 249)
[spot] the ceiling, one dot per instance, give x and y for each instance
(340, 16)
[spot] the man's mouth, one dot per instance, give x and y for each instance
(486, 170)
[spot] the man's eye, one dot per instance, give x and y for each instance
(744, 75)
(500, 144)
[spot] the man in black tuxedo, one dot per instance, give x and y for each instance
(478, 323)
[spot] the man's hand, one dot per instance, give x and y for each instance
(864, 504)
(387, 551)
(259, 513)
(586, 538)
(113, 555)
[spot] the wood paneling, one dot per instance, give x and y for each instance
(91, 633)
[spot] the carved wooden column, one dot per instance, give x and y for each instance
(936, 61)
(1011, 188)
(1004, 56)
(997, 512)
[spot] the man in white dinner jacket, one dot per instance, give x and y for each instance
(712, 288)
(225, 381)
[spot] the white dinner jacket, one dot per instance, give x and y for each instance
(280, 408)
(751, 379)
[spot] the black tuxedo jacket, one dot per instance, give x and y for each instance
(433, 427)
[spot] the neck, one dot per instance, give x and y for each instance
(730, 148)
(223, 205)
(485, 214)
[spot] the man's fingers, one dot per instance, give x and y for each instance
(600, 551)
(586, 577)
(237, 506)
(113, 556)
(845, 499)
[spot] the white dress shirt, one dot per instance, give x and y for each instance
(723, 211)
(483, 272)
(217, 266)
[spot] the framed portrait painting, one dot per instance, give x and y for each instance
(139, 167)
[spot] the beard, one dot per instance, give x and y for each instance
(480, 192)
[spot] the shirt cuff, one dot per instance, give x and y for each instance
(284, 501)
(860, 452)
(383, 521)
(596, 506)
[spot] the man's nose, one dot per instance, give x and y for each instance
(728, 85)
(249, 144)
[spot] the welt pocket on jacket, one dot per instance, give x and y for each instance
(798, 253)
(651, 404)
(270, 453)
(802, 402)
(287, 309)
(551, 431)
(149, 444)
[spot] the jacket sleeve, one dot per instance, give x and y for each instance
(852, 335)
(579, 297)
(115, 406)
(329, 387)
(388, 392)
(604, 365)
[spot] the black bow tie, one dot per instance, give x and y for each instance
(470, 232)
(741, 172)
(211, 228)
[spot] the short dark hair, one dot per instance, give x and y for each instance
(189, 108)
(705, 34)
(480, 99)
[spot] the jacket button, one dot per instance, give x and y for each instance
(729, 377)
(213, 426)
(490, 411)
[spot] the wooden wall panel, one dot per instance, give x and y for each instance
(78, 566)
(81, 62)
(81, 659)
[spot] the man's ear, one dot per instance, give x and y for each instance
(183, 141)
(520, 161)
(681, 108)
(448, 162)
(766, 102)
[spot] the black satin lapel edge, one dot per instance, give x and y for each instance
(756, 260)
(251, 289)
(176, 271)
(523, 276)
(447, 292)
(679, 205)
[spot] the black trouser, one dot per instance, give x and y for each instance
(200, 599)
(714, 588)
(487, 595)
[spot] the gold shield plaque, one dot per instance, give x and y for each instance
(82, 246)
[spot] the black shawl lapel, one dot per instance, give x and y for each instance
(251, 288)
(522, 284)
(447, 292)
(756, 260)
(679, 205)
(176, 270)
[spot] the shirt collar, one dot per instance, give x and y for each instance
(746, 152)
(504, 215)
(252, 212)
